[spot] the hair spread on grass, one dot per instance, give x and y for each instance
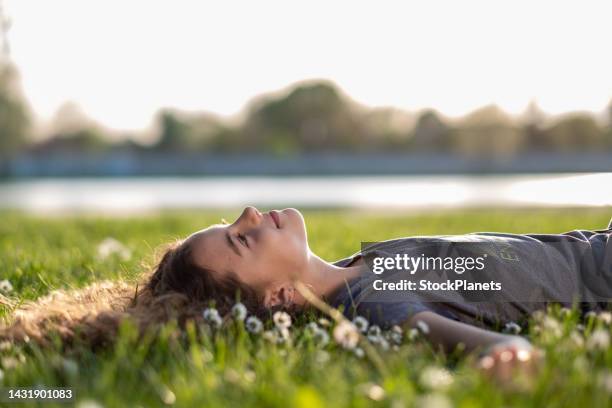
(174, 289)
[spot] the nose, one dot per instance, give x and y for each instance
(250, 214)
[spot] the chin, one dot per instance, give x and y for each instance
(297, 220)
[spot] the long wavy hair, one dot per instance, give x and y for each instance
(175, 289)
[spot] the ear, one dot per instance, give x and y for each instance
(280, 295)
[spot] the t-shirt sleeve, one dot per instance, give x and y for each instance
(387, 314)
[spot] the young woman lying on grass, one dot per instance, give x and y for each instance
(266, 259)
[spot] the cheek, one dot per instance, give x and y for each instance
(286, 250)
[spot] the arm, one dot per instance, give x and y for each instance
(448, 333)
(503, 356)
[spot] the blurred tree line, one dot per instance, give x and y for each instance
(317, 118)
(314, 117)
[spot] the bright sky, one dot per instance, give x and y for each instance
(122, 60)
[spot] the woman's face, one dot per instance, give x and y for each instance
(262, 250)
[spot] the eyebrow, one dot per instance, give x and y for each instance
(231, 243)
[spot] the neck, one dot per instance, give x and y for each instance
(323, 278)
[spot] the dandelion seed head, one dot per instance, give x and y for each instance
(111, 247)
(6, 286)
(239, 311)
(346, 334)
(396, 337)
(374, 330)
(253, 325)
(361, 323)
(321, 337)
(512, 328)
(212, 317)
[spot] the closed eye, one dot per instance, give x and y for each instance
(243, 239)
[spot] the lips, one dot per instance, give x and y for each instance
(275, 218)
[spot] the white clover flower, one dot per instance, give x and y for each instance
(361, 323)
(435, 378)
(282, 320)
(397, 329)
(5, 345)
(346, 334)
(324, 322)
(253, 324)
(358, 351)
(599, 340)
(590, 315)
(422, 327)
(5, 286)
(211, 316)
(239, 311)
(512, 328)
(111, 247)
(321, 337)
(605, 317)
(565, 312)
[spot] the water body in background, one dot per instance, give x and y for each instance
(137, 194)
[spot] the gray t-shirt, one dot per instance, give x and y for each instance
(534, 269)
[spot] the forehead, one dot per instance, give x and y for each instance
(209, 248)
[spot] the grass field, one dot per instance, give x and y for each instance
(232, 367)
